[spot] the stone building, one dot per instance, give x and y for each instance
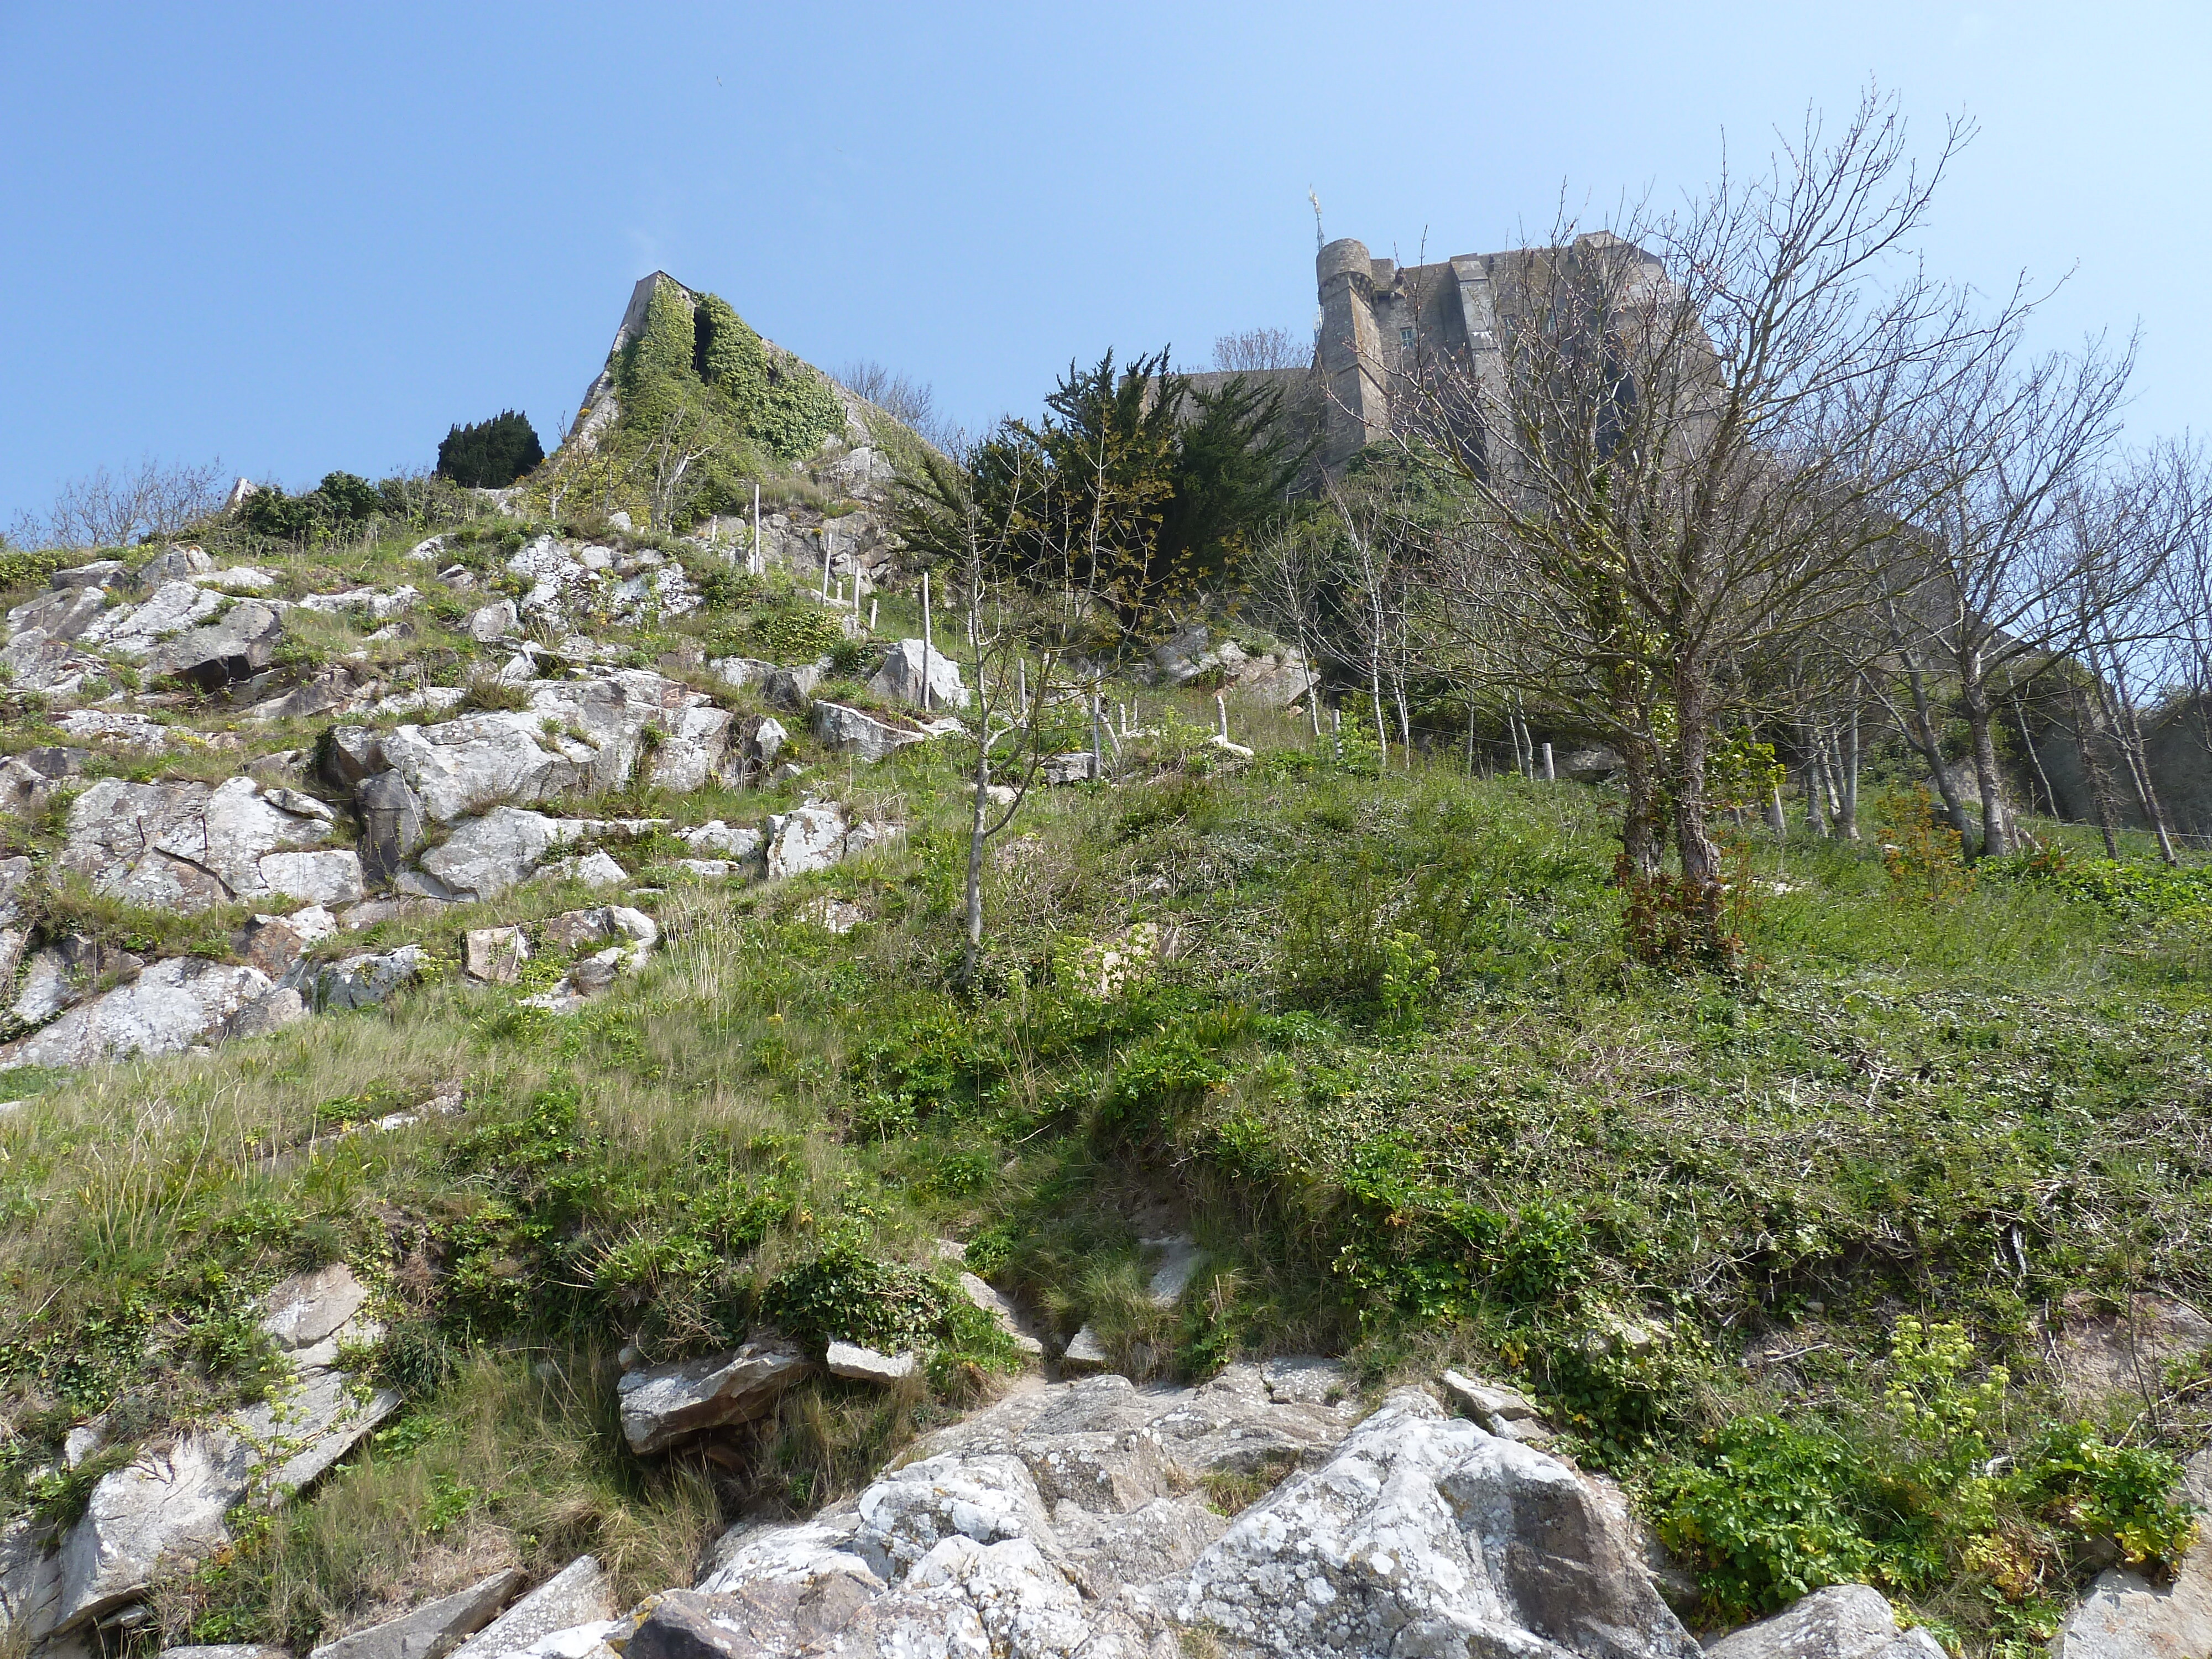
(1379, 319)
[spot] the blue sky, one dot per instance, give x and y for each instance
(308, 237)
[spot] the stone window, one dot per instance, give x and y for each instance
(1406, 338)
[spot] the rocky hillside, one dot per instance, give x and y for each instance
(503, 1156)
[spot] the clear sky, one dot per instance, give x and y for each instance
(308, 237)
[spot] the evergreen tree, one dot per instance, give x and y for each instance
(490, 455)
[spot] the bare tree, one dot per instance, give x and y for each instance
(104, 509)
(2185, 592)
(1688, 439)
(911, 402)
(1012, 634)
(2125, 533)
(694, 426)
(2002, 550)
(1261, 348)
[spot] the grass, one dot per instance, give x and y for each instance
(1415, 1105)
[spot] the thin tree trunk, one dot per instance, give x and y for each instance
(1816, 781)
(1849, 820)
(2092, 768)
(1989, 778)
(1693, 843)
(1925, 739)
(2129, 729)
(2034, 755)
(972, 953)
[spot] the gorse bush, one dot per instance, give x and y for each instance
(490, 455)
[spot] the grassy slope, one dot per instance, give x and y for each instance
(1628, 1189)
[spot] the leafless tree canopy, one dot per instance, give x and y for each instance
(1254, 348)
(905, 398)
(104, 509)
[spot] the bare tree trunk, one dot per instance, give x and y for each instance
(1974, 698)
(1850, 818)
(1693, 843)
(1924, 737)
(2128, 730)
(972, 953)
(1816, 780)
(2092, 768)
(2034, 755)
(1639, 822)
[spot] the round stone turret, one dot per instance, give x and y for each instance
(1344, 256)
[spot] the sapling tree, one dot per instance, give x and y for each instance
(1017, 669)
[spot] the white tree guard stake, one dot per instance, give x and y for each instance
(925, 646)
(757, 561)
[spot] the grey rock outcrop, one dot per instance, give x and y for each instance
(816, 836)
(850, 732)
(1277, 677)
(392, 827)
(576, 735)
(572, 582)
(1073, 768)
(100, 573)
(574, 930)
(715, 839)
(236, 646)
(117, 727)
(364, 603)
(367, 981)
(61, 613)
(1063, 1520)
(174, 564)
(1008, 1315)
(663, 1404)
(1843, 1621)
(578, 1595)
(187, 846)
(486, 856)
(1424, 1526)
(430, 1631)
(788, 686)
(924, 678)
(168, 1507)
(172, 1005)
(495, 954)
(66, 971)
(172, 607)
(36, 662)
(857, 1363)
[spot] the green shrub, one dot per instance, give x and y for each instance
(1767, 1517)
(797, 633)
(342, 502)
(490, 455)
(844, 1293)
(19, 568)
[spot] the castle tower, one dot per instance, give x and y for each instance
(1351, 350)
